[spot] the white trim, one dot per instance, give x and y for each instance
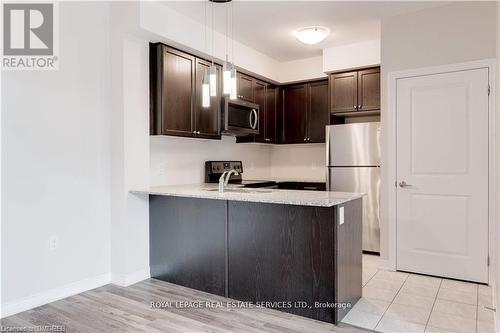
(53, 295)
(391, 152)
(385, 265)
(495, 306)
(125, 280)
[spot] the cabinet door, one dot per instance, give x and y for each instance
(318, 116)
(295, 113)
(369, 89)
(207, 120)
(271, 108)
(344, 96)
(259, 94)
(177, 92)
(282, 253)
(245, 87)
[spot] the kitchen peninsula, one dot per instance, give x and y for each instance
(260, 245)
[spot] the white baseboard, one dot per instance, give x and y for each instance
(53, 295)
(125, 280)
(385, 265)
(494, 287)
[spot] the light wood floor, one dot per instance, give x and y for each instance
(119, 309)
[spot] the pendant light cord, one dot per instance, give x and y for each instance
(232, 30)
(213, 32)
(227, 30)
(205, 37)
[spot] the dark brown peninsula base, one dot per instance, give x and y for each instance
(299, 259)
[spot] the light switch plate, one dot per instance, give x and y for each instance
(341, 215)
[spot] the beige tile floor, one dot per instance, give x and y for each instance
(402, 302)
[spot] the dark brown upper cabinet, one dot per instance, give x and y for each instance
(295, 107)
(245, 86)
(207, 120)
(259, 93)
(355, 91)
(369, 89)
(173, 88)
(344, 96)
(318, 116)
(270, 118)
(175, 92)
(305, 112)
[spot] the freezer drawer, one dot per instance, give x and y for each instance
(353, 144)
(366, 180)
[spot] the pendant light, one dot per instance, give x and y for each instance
(228, 69)
(205, 91)
(213, 70)
(233, 79)
(233, 88)
(205, 83)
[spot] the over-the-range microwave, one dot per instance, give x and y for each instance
(239, 117)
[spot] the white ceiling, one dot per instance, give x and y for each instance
(267, 26)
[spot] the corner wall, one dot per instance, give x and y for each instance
(496, 291)
(56, 167)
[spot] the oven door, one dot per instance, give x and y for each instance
(241, 117)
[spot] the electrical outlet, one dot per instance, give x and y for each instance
(53, 242)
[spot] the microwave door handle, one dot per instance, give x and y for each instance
(253, 124)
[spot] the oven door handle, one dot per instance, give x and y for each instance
(253, 124)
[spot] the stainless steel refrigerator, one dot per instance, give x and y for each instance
(353, 165)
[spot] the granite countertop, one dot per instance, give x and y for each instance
(235, 192)
(296, 180)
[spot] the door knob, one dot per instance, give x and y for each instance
(354, 107)
(403, 184)
(359, 107)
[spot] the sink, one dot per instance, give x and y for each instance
(235, 190)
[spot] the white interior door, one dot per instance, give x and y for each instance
(442, 154)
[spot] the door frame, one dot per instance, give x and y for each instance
(390, 263)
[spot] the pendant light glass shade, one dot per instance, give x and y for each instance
(213, 80)
(226, 79)
(233, 92)
(205, 91)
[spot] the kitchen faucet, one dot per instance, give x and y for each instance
(224, 179)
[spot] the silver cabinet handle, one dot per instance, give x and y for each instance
(403, 184)
(253, 123)
(198, 132)
(194, 132)
(359, 107)
(354, 107)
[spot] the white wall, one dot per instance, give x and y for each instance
(176, 160)
(302, 69)
(56, 167)
(129, 69)
(362, 54)
(458, 32)
(182, 160)
(177, 29)
(299, 162)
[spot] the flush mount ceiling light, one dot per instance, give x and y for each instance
(312, 35)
